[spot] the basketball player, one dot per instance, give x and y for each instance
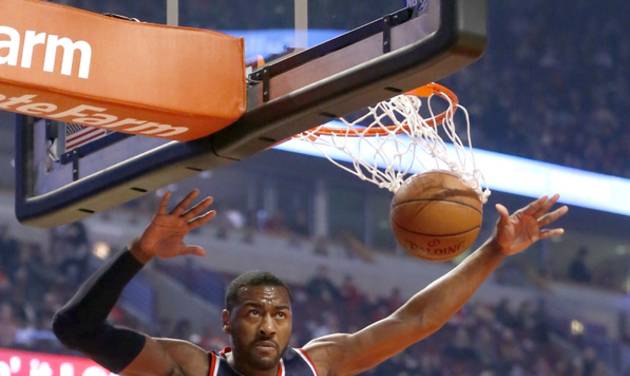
(258, 314)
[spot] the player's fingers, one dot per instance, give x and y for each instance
(504, 214)
(183, 204)
(199, 208)
(194, 250)
(201, 219)
(535, 206)
(544, 208)
(550, 233)
(553, 216)
(163, 208)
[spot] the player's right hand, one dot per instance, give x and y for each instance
(164, 236)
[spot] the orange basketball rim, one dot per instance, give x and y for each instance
(424, 91)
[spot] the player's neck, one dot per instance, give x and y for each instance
(243, 369)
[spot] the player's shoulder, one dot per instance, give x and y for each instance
(325, 351)
(190, 357)
(328, 342)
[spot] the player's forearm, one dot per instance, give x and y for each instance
(433, 306)
(81, 323)
(97, 296)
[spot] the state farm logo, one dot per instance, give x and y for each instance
(87, 115)
(14, 49)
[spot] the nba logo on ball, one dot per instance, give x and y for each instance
(436, 216)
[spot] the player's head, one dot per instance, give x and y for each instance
(258, 318)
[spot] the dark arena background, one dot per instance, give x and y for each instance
(549, 97)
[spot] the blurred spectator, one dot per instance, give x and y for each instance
(589, 361)
(299, 225)
(321, 246)
(182, 330)
(36, 334)
(235, 218)
(8, 325)
(394, 300)
(461, 350)
(211, 341)
(320, 287)
(578, 270)
(276, 224)
(250, 227)
(350, 292)
(8, 250)
(504, 314)
(326, 323)
(227, 221)
(71, 249)
(5, 284)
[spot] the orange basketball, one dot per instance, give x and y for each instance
(436, 216)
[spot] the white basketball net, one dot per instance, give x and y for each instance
(407, 142)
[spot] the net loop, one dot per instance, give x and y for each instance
(390, 141)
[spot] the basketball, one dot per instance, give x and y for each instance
(436, 216)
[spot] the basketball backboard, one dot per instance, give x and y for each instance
(308, 63)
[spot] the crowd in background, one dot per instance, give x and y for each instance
(501, 339)
(606, 273)
(37, 280)
(481, 339)
(553, 84)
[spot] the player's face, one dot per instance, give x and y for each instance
(260, 325)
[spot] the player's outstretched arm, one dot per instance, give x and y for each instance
(81, 324)
(431, 308)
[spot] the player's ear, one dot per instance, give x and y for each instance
(225, 317)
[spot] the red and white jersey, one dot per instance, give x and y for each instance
(294, 362)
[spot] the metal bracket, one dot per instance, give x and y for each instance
(387, 34)
(265, 81)
(75, 166)
(261, 76)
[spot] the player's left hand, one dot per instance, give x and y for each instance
(524, 227)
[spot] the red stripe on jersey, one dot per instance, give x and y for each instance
(308, 360)
(281, 369)
(213, 363)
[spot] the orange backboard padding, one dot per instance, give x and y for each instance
(71, 65)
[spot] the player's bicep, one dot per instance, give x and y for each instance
(167, 357)
(153, 359)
